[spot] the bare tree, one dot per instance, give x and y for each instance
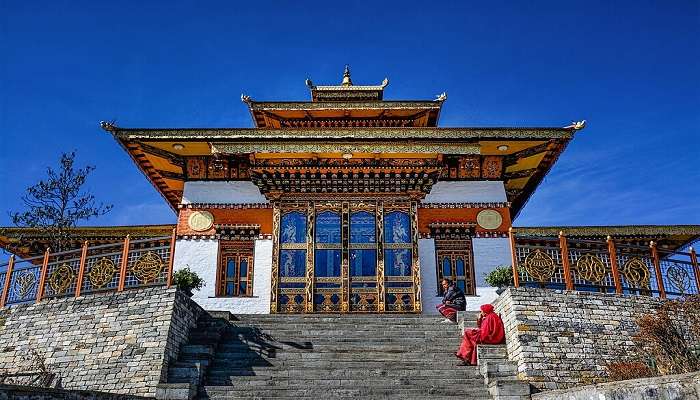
(57, 203)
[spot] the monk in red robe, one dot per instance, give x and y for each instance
(489, 330)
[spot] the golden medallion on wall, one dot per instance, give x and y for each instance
(61, 278)
(200, 221)
(489, 219)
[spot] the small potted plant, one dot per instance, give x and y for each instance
(501, 277)
(186, 280)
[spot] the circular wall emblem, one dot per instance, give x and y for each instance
(489, 219)
(200, 221)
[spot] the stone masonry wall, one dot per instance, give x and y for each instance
(110, 342)
(561, 339)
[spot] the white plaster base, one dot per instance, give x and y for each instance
(489, 253)
(467, 192)
(428, 276)
(222, 192)
(201, 257)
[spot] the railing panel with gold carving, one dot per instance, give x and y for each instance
(24, 281)
(596, 265)
(540, 265)
(90, 269)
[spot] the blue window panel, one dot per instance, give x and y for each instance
(242, 288)
(327, 263)
(244, 268)
(363, 262)
(292, 263)
(231, 268)
(293, 227)
(446, 268)
(460, 284)
(397, 227)
(328, 227)
(397, 262)
(363, 227)
(229, 289)
(460, 267)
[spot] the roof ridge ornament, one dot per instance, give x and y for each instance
(246, 99)
(346, 77)
(576, 125)
(109, 126)
(441, 97)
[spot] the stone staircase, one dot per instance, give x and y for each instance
(322, 356)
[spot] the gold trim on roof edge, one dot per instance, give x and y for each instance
(286, 147)
(347, 133)
(610, 230)
(349, 105)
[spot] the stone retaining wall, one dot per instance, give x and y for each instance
(111, 342)
(676, 387)
(561, 339)
(9, 392)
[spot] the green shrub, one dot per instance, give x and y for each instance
(501, 276)
(187, 280)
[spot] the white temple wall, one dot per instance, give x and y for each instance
(489, 253)
(222, 192)
(201, 257)
(428, 276)
(467, 192)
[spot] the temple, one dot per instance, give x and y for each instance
(344, 203)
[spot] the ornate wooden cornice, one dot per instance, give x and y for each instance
(343, 147)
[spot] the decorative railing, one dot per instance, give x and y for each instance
(604, 266)
(90, 269)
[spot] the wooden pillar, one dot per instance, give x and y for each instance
(124, 264)
(657, 269)
(612, 253)
(172, 259)
(274, 279)
(42, 276)
(81, 269)
(564, 247)
(513, 257)
(8, 280)
(381, 292)
(345, 257)
(310, 272)
(417, 301)
(696, 268)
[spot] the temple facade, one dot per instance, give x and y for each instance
(345, 203)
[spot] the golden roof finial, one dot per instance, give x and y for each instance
(346, 77)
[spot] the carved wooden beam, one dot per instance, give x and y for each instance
(173, 158)
(512, 159)
(525, 173)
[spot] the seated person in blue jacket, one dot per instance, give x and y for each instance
(452, 302)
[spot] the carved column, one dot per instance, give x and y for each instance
(381, 295)
(274, 275)
(416, 259)
(309, 289)
(345, 258)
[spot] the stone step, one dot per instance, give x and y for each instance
(335, 356)
(349, 382)
(436, 365)
(341, 347)
(342, 371)
(228, 392)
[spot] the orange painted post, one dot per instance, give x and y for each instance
(657, 269)
(612, 252)
(42, 277)
(513, 257)
(81, 269)
(564, 247)
(124, 264)
(696, 268)
(8, 280)
(172, 257)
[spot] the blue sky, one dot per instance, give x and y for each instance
(632, 69)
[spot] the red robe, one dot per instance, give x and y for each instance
(489, 331)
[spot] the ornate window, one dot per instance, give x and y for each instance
(327, 244)
(235, 272)
(363, 244)
(293, 245)
(397, 243)
(453, 250)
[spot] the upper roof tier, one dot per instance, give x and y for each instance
(345, 106)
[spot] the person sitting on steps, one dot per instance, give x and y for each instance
(452, 302)
(489, 330)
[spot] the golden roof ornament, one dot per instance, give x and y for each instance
(346, 77)
(441, 97)
(576, 125)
